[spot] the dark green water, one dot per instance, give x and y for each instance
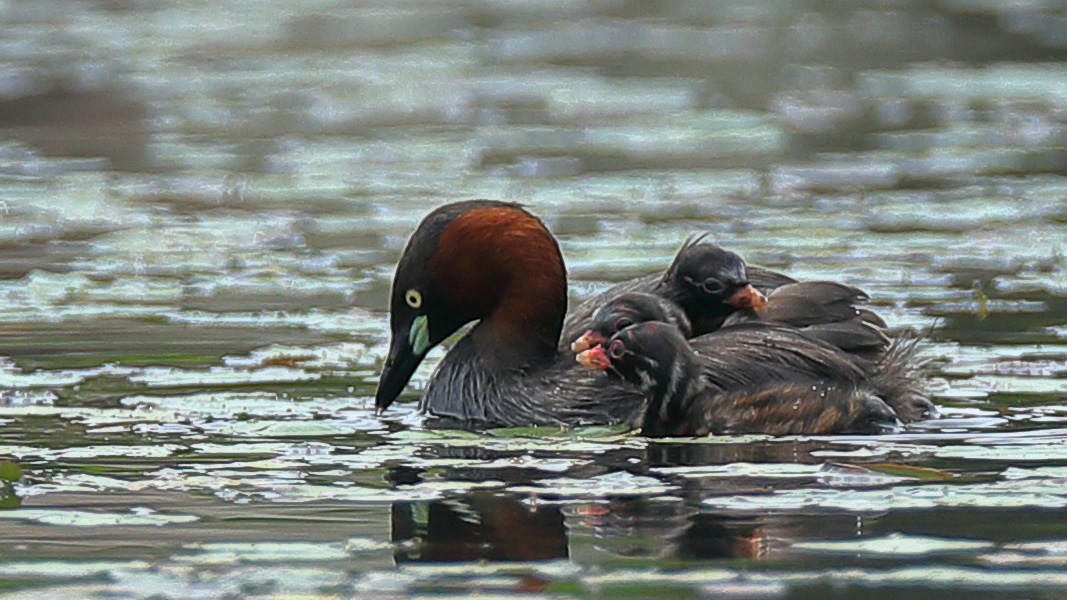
(201, 206)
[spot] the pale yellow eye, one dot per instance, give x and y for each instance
(413, 298)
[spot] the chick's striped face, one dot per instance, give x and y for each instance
(717, 277)
(624, 311)
(627, 310)
(614, 320)
(631, 362)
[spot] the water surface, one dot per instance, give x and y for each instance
(201, 206)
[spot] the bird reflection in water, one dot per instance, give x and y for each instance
(493, 527)
(664, 528)
(477, 527)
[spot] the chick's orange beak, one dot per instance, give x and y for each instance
(747, 298)
(589, 339)
(594, 358)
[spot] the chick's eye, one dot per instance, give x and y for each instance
(623, 323)
(712, 285)
(413, 298)
(616, 349)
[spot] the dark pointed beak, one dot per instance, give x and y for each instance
(747, 298)
(399, 366)
(589, 339)
(594, 358)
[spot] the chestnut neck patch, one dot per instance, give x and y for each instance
(501, 265)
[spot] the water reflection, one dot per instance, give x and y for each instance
(504, 528)
(645, 524)
(477, 527)
(757, 451)
(661, 531)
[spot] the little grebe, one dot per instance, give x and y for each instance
(708, 282)
(628, 309)
(891, 371)
(497, 264)
(763, 378)
(715, 287)
(824, 310)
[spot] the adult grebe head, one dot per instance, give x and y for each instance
(475, 260)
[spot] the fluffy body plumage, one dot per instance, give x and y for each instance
(825, 310)
(681, 283)
(736, 356)
(756, 378)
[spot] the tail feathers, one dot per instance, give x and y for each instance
(900, 378)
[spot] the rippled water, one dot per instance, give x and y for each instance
(201, 206)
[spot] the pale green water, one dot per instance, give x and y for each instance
(201, 206)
